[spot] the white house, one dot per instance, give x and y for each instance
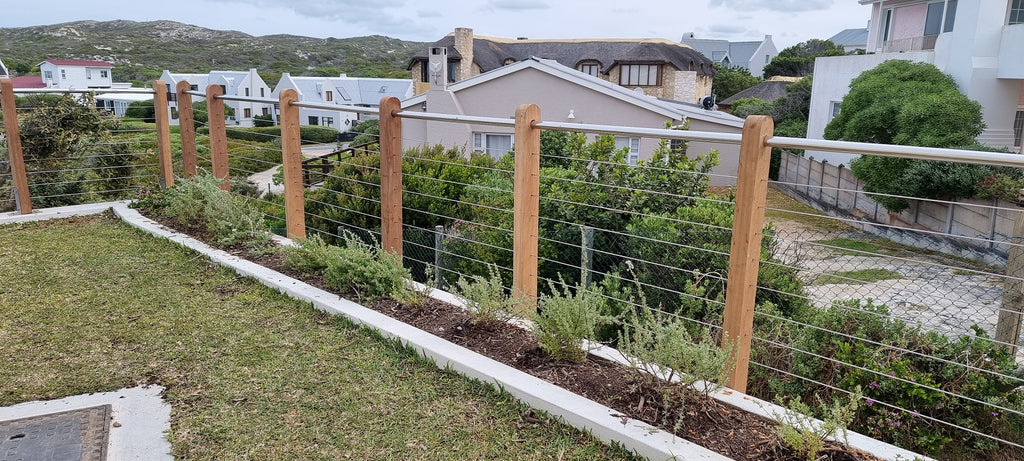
(563, 94)
(75, 74)
(235, 83)
(341, 91)
(751, 55)
(980, 43)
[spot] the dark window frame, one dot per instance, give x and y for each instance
(632, 74)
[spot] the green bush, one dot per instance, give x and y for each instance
(488, 301)
(142, 111)
(924, 383)
(565, 318)
(368, 271)
(311, 256)
(200, 202)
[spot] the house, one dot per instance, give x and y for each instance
(75, 74)
(234, 83)
(564, 94)
(979, 43)
(768, 91)
(752, 56)
(658, 67)
(341, 91)
(851, 39)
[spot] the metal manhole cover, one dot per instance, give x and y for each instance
(68, 435)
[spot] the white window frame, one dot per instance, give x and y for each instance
(63, 74)
(88, 74)
(590, 68)
(1015, 14)
(327, 121)
(834, 108)
(1018, 127)
(481, 143)
(103, 74)
(48, 75)
(633, 156)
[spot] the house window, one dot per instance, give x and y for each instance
(1018, 128)
(933, 20)
(223, 89)
(248, 112)
(328, 96)
(88, 74)
(590, 68)
(328, 121)
(425, 71)
(314, 120)
(887, 24)
(950, 16)
(103, 74)
(193, 87)
(262, 95)
(1016, 15)
(633, 144)
(63, 74)
(639, 74)
(495, 145)
(247, 92)
(266, 111)
(48, 75)
(834, 109)
(509, 61)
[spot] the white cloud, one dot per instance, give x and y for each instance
(773, 5)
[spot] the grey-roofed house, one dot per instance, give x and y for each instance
(851, 39)
(768, 90)
(750, 55)
(563, 94)
(235, 83)
(658, 67)
(341, 91)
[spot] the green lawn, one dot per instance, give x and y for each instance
(91, 305)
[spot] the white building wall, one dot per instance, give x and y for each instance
(764, 54)
(76, 77)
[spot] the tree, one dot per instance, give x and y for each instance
(730, 80)
(201, 115)
(798, 60)
(142, 111)
(915, 104)
(789, 112)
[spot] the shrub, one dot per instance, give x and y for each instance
(366, 270)
(565, 319)
(200, 202)
(807, 437)
(488, 302)
(311, 256)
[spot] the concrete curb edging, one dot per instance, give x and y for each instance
(601, 421)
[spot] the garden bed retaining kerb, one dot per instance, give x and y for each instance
(603, 422)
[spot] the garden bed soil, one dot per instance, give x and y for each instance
(702, 420)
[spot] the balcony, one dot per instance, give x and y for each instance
(1011, 48)
(923, 43)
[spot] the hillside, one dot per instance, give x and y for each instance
(141, 50)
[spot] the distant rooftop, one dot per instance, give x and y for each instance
(851, 38)
(78, 62)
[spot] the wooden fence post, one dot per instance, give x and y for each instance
(1010, 311)
(218, 135)
(163, 133)
(187, 128)
(391, 175)
(291, 154)
(526, 205)
(745, 252)
(22, 198)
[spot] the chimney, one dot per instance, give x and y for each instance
(464, 45)
(437, 68)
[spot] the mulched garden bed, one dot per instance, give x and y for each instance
(719, 427)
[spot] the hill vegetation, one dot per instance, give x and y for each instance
(140, 51)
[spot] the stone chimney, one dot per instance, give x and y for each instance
(437, 68)
(464, 45)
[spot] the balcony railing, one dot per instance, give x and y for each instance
(923, 43)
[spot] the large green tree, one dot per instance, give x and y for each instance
(730, 80)
(915, 104)
(798, 60)
(789, 112)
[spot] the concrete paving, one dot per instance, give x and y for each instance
(138, 424)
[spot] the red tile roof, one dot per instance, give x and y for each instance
(78, 62)
(29, 81)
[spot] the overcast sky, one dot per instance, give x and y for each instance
(788, 21)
